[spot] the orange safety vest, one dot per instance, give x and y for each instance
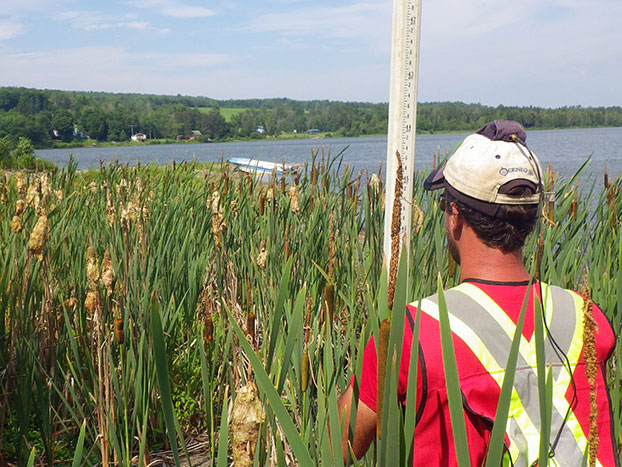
(487, 331)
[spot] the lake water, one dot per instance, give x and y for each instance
(567, 150)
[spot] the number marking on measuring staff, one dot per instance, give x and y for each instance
(402, 112)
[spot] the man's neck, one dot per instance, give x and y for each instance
(482, 262)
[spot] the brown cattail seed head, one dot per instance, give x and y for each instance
(304, 377)
(20, 182)
(92, 266)
(234, 207)
(262, 203)
(218, 221)
(374, 182)
(16, 224)
(32, 196)
(107, 272)
(590, 328)
(90, 302)
(539, 255)
(3, 196)
(19, 207)
(396, 225)
(39, 237)
(246, 417)
(293, 195)
(263, 255)
(329, 302)
(573, 207)
(208, 331)
(250, 328)
(118, 330)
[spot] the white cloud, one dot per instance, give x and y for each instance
(356, 20)
(11, 7)
(105, 68)
(182, 11)
(548, 52)
(173, 9)
(90, 21)
(10, 28)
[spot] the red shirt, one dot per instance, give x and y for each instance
(433, 436)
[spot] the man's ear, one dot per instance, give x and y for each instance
(455, 221)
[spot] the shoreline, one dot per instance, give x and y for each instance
(284, 137)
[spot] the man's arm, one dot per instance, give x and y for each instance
(364, 428)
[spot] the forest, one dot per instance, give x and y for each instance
(51, 118)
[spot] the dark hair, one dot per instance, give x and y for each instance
(507, 231)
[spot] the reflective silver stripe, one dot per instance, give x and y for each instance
(517, 437)
(562, 321)
(563, 303)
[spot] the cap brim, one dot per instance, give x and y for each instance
(436, 180)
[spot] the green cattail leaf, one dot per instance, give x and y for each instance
(454, 394)
(159, 351)
(411, 391)
(294, 334)
(31, 458)
(77, 455)
(278, 312)
(223, 436)
(545, 406)
(391, 442)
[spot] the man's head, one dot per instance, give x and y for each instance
(494, 181)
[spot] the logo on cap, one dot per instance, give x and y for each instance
(505, 171)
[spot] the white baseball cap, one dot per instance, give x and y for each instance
(488, 167)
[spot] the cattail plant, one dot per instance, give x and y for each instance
(590, 329)
(218, 222)
(3, 195)
(538, 257)
(262, 256)
(118, 331)
(16, 224)
(385, 325)
(20, 184)
(304, 364)
(293, 198)
(107, 273)
(551, 200)
(329, 288)
(39, 237)
(246, 418)
(286, 251)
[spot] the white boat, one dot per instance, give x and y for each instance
(263, 167)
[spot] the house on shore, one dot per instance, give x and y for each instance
(139, 137)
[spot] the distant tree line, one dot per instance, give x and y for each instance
(47, 116)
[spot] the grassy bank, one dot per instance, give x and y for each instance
(140, 305)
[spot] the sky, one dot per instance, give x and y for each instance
(544, 53)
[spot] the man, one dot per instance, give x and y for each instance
(492, 189)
